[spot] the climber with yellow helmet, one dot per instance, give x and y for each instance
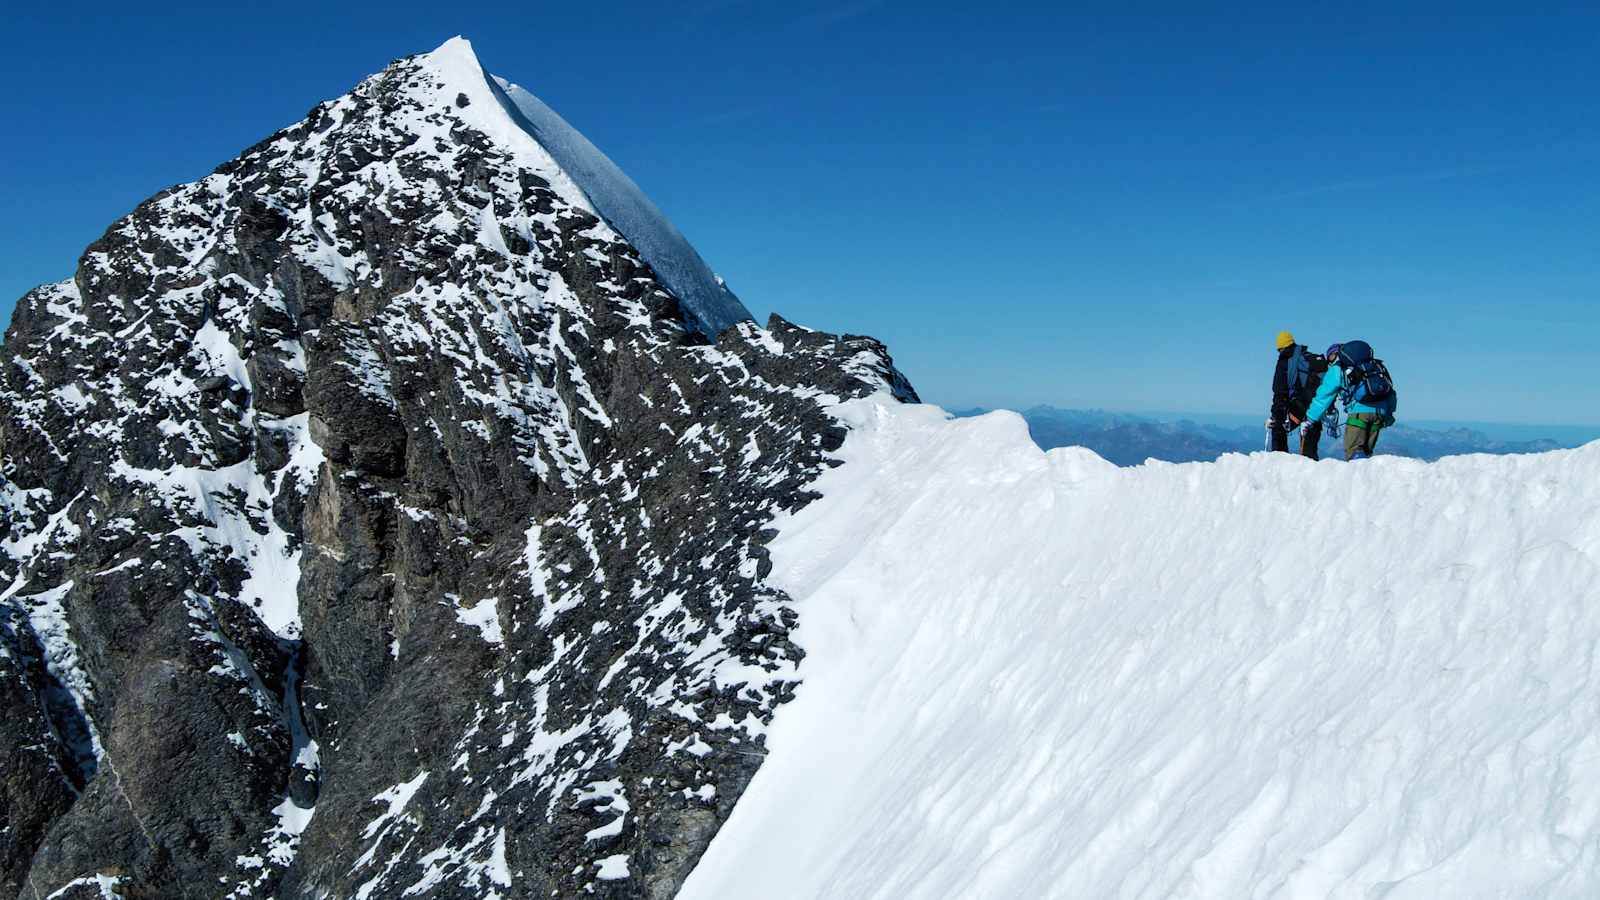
(1294, 384)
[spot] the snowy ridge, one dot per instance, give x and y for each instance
(589, 180)
(620, 202)
(1036, 675)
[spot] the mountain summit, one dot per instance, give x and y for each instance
(376, 519)
(589, 180)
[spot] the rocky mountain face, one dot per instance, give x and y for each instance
(374, 522)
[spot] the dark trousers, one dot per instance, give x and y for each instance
(1309, 439)
(1280, 436)
(1278, 423)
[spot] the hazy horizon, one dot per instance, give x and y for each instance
(1574, 434)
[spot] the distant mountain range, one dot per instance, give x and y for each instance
(1129, 440)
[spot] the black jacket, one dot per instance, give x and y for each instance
(1280, 375)
(1280, 385)
(1283, 402)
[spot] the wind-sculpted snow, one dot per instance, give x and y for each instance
(619, 201)
(587, 179)
(1034, 674)
(375, 521)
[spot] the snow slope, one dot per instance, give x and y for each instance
(620, 202)
(1038, 675)
(587, 178)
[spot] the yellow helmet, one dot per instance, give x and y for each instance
(1285, 339)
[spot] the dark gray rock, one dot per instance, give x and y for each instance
(373, 525)
(39, 778)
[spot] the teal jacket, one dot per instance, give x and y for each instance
(1332, 385)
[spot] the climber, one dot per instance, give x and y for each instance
(1361, 383)
(1294, 384)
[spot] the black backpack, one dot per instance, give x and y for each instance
(1367, 378)
(1304, 373)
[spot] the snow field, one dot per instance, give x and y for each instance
(1036, 675)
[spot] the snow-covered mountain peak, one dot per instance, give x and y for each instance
(374, 521)
(456, 60)
(461, 88)
(704, 294)
(584, 176)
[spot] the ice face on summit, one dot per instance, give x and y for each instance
(593, 182)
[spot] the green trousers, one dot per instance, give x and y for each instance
(1361, 434)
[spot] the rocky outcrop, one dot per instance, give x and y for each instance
(375, 523)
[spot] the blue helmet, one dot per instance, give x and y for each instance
(1333, 352)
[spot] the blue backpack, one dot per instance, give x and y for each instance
(1304, 372)
(1367, 378)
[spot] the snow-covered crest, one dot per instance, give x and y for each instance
(589, 179)
(1037, 675)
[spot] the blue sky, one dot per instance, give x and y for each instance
(1113, 205)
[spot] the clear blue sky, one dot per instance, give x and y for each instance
(1110, 205)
